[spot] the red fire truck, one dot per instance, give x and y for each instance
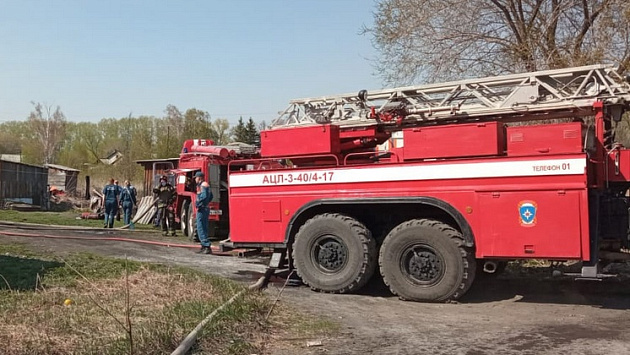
(462, 183)
(202, 155)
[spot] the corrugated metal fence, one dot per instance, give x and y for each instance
(22, 182)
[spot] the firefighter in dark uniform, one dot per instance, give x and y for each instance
(166, 196)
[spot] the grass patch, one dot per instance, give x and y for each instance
(68, 218)
(164, 305)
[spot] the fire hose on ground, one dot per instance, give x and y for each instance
(187, 343)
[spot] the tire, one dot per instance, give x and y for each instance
(334, 253)
(426, 260)
(183, 218)
(192, 224)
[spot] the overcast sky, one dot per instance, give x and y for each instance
(101, 59)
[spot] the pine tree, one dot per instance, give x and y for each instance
(251, 133)
(239, 132)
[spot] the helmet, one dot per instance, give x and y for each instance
(163, 177)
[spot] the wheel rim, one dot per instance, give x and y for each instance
(183, 221)
(191, 225)
(422, 265)
(329, 254)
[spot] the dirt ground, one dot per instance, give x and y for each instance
(516, 313)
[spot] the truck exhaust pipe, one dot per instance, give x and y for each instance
(490, 267)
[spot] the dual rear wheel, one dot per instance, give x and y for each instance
(420, 259)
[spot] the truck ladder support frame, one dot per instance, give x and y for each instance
(572, 90)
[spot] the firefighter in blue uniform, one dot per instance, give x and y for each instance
(128, 200)
(204, 196)
(111, 193)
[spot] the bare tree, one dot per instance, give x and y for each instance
(262, 125)
(49, 128)
(175, 123)
(433, 40)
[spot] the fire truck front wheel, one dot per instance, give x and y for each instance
(192, 224)
(183, 218)
(334, 253)
(426, 260)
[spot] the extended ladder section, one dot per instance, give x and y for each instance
(542, 94)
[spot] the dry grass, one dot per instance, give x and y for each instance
(164, 305)
(42, 323)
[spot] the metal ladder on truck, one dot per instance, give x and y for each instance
(569, 92)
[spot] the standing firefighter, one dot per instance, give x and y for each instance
(128, 200)
(166, 195)
(119, 207)
(204, 196)
(111, 193)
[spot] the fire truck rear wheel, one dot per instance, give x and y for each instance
(334, 253)
(426, 260)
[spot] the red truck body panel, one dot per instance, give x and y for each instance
(322, 139)
(464, 140)
(553, 139)
(489, 193)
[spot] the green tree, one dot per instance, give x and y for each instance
(144, 138)
(175, 128)
(239, 132)
(74, 151)
(197, 125)
(252, 135)
(435, 40)
(220, 131)
(175, 121)
(13, 134)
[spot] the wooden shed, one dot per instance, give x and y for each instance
(21, 182)
(63, 178)
(153, 167)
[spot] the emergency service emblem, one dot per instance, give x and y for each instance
(527, 212)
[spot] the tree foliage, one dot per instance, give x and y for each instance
(176, 127)
(246, 133)
(13, 134)
(48, 127)
(82, 145)
(238, 132)
(220, 131)
(252, 135)
(435, 40)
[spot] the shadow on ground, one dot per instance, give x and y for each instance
(608, 293)
(21, 274)
(525, 285)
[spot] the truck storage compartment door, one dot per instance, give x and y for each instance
(531, 224)
(260, 221)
